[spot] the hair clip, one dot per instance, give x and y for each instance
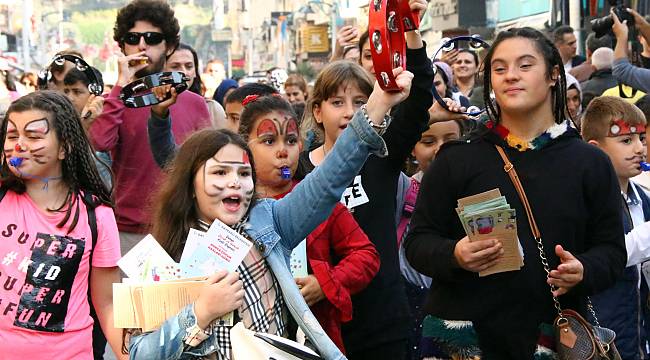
(249, 99)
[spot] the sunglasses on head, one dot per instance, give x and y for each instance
(150, 37)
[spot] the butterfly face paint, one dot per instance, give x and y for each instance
(32, 150)
(224, 186)
(276, 148)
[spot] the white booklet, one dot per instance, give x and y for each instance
(221, 248)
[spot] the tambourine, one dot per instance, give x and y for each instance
(475, 42)
(388, 20)
(138, 93)
(96, 85)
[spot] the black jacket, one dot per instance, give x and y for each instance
(574, 195)
(599, 81)
(381, 312)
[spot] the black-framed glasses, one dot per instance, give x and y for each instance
(150, 37)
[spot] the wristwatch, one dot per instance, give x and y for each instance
(194, 335)
(379, 128)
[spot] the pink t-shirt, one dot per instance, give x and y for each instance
(44, 310)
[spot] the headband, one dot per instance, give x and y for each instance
(475, 42)
(95, 86)
(388, 20)
(620, 127)
(138, 93)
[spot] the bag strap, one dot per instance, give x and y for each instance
(509, 168)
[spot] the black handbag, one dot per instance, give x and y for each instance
(575, 337)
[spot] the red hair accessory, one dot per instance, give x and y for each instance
(620, 127)
(388, 20)
(249, 99)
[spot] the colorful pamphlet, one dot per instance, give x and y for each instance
(489, 216)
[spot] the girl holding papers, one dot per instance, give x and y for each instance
(213, 177)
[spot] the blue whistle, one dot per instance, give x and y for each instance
(645, 166)
(285, 173)
(15, 161)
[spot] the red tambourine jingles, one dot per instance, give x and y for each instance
(388, 21)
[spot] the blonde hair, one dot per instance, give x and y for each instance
(331, 78)
(602, 110)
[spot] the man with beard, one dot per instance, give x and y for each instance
(147, 32)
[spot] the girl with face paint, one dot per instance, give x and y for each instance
(59, 234)
(212, 178)
(269, 126)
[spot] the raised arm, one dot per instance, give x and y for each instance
(411, 117)
(104, 131)
(309, 204)
(159, 127)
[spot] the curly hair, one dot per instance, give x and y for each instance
(79, 171)
(157, 12)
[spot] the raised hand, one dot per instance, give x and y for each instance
(162, 108)
(449, 56)
(381, 101)
(420, 6)
(93, 108)
(129, 65)
(619, 28)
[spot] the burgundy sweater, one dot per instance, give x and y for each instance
(123, 132)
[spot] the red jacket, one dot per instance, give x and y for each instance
(344, 261)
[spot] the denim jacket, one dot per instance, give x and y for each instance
(279, 226)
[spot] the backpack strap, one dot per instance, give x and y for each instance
(92, 222)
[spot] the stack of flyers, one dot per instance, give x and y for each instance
(489, 216)
(147, 261)
(220, 248)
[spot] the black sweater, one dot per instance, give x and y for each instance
(381, 312)
(574, 195)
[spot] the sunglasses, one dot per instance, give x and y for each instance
(150, 37)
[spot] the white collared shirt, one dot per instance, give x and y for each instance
(637, 241)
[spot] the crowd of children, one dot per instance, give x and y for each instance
(391, 272)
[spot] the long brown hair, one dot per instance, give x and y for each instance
(330, 79)
(175, 208)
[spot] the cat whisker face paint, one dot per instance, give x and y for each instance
(224, 186)
(32, 150)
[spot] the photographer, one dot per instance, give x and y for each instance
(624, 72)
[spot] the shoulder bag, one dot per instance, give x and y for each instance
(575, 337)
